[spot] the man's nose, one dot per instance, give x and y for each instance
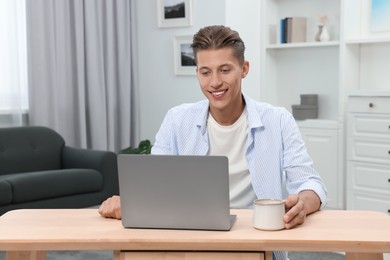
(215, 82)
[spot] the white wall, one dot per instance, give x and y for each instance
(244, 17)
(160, 88)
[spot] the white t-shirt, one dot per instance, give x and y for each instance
(230, 141)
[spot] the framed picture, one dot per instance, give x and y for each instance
(380, 19)
(174, 13)
(183, 56)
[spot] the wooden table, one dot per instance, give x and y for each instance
(29, 233)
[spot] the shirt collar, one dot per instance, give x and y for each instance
(254, 114)
(201, 118)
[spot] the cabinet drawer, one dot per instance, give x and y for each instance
(370, 125)
(361, 201)
(369, 104)
(369, 177)
(370, 150)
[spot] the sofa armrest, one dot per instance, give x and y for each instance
(102, 161)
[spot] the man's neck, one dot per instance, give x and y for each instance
(228, 116)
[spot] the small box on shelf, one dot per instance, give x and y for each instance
(308, 109)
(302, 112)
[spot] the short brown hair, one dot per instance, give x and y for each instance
(218, 37)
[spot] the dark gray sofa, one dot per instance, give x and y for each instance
(37, 170)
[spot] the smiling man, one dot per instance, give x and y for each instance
(261, 141)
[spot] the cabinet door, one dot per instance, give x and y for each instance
(367, 201)
(322, 145)
(369, 177)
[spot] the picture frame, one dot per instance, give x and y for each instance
(380, 19)
(174, 13)
(183, 56)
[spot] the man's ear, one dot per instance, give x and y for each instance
(245, 69)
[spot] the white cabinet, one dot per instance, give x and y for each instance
(321, 139)
(368, 152)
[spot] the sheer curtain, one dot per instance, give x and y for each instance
(81, 71)
(13, 63)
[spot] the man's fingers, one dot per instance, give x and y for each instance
(110, 208)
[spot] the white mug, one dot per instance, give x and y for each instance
(268, 214)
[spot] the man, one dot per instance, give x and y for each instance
(261, 141)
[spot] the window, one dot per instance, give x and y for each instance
(13, 58)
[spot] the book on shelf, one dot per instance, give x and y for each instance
(283, 30)
(293, 29)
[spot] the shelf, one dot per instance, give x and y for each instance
(302, 45)
(368, 41)
(370, 93)
(318, 123)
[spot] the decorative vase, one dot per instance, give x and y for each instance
(322, 34)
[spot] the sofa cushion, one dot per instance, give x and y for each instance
(5, 193)
(32, 186)
(39, 148)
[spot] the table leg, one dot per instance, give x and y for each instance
(117, 255)
(364, 256)
(268, 255)
(26, 255)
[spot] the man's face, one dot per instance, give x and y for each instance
(220, 74)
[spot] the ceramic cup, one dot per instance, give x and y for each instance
(268, 214)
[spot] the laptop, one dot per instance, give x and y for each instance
(174, 192)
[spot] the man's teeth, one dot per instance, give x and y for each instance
(218, 93)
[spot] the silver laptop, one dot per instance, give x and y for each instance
(174, 192)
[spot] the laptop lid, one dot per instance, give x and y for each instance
(174, 192)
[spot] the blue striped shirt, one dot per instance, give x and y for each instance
(274, 145)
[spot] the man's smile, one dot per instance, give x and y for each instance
(218, 93)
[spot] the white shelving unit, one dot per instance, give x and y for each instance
(366, 79)
(301, 68)
(355, 59)
(289, 70)
(366, 53)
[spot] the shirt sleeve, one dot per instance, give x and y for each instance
(163, 144)
(297, 163)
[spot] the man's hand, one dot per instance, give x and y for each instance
(298, 206)
(111, 208)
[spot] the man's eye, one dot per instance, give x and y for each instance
(225, 71)
(205, 73)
